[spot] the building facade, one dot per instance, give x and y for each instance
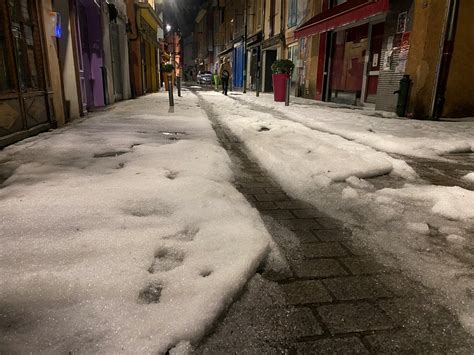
(143, 36)
(351, 52)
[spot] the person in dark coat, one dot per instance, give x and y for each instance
(225, 76)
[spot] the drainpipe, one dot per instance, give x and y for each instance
(449, 33)
(245, 46)
(133, 89)
(282, 27)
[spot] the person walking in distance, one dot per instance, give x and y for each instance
(225, 75)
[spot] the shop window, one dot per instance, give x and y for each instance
(26, 40)
(292, 13)
(349, 48)
(293, 56)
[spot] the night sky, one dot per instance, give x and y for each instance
(180, 14)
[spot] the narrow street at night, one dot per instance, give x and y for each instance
(155, 231)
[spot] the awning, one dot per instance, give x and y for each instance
(346, 13)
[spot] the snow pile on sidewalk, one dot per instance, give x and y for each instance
(122, 233)
(454, 203)
(407, 137)
(309, 156)
(469, 177)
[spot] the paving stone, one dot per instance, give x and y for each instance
(293, 204)
(303, 292)
(301, 224)
(253, 169)
(271, 197)
(356, 248)
(401, 286)
(306, 237)
(353, 317)
(421, 341)
(265, 325)
(323, 250)
(329, 235)
(252, 190)
(356, 288)
(252, 184)
(249, 197)
(416, 312)
(265, 179)
(274, 190)
(249, 349)
(246, 179)
(279, 214)
(329, 223)
(265, 205)
(319, 268)
(304, 323)
(363, 265)
(332, 346)
(307, 213)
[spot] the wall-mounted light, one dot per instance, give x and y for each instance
(54, 28)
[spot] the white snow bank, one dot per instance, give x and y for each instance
(309, 156)
(421, 228)
(117, 239)
(453, 203)
(406, 137)
(469, 177)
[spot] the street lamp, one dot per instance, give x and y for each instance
(168, 27)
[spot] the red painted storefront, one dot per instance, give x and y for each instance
(346, 29)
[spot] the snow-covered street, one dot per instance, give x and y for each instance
(122, 233)
(134, 230)
(352, 164)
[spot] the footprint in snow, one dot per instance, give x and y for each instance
(151, 293)
(166, 259)
(170, 174)
(185, 235)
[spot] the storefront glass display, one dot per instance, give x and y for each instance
(349, 48)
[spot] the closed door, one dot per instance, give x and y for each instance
(116, 60)
(82, 44)
(373, 67)
(27, 54)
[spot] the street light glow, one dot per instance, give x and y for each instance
(168, 27)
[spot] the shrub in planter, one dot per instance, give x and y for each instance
(167, 72)
(168, 68)
(282, 69)
(282, 66)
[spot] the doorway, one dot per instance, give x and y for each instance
(349, 48)
(373, 65)
(23, 95)
(270, 57)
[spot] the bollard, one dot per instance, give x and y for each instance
(287, 96)
(170, 90)
(179, 85)
(258, 85)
